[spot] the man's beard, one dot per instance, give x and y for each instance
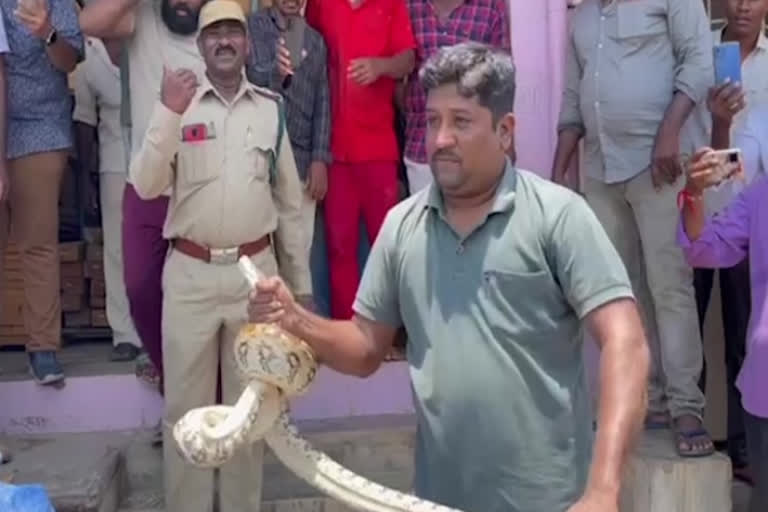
(179, 24)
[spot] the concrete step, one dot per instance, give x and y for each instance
(82, 472)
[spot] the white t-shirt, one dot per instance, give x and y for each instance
(151, 47)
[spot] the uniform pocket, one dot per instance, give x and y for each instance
(260, 160)
(639, 19)
(200, 162)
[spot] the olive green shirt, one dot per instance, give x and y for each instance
(495, 340)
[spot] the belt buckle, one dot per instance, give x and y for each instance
(224, 256)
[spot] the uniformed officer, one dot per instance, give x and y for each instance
(219, 143)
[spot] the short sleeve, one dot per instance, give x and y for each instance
(64, 18)
(3, 37)
(401, 30)
(590, 270)
(378, 296)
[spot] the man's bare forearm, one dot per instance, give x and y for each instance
(339, 344)
(676, 114)
(624, 364)
(63, 56)
(567, 142)
(694, 218)
(721, 134)
(108, 18)
(400, 65)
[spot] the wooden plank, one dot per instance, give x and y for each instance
(80, 318)
(71, 252)
(94, 269)
(94, 252)
(72, 302)
(99, 318)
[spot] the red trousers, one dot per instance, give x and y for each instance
(354, 189)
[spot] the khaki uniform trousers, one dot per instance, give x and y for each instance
(204, 307)
(642, 224)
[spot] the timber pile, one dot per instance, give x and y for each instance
(82, 291)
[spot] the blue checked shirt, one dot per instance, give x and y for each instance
(307, 99)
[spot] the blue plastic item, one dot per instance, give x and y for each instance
(24, 498)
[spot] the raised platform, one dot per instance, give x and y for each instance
(100, 395)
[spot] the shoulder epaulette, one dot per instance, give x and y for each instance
(267, 93)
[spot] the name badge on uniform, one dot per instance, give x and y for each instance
(198, 132)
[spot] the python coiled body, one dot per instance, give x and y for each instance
(276, 366)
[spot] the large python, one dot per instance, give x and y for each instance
(274, 367)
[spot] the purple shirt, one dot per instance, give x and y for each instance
(741, 230)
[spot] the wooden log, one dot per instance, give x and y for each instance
(658, 480)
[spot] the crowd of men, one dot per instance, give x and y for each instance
(222, 129)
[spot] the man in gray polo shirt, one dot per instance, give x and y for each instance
(491, 270)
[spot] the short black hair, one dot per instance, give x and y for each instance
(478, 70)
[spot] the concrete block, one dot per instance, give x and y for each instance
(658, 480)
(80, 472)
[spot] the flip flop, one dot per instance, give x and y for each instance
(690, 437)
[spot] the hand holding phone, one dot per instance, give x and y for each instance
(710, 168)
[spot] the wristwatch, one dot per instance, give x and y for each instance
(51, 38)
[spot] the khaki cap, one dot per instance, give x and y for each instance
(220, 10)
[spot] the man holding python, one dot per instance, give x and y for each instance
(219, 144)
(492, 270)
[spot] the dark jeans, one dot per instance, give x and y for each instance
(735, 307)
(757, 444)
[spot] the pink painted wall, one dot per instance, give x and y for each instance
(538, 38)
(121, 402)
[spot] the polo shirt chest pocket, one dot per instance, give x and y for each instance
(522, 301)
(641, 19)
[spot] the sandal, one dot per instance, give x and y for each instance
(693, 442)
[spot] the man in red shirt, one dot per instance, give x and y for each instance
(370, 47)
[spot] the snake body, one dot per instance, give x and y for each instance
(276, 366)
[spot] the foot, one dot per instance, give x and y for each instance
(691, 437)
(45, 368)
(146, 371)
(657, 420)
(124, 352)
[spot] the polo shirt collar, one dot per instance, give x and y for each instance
(503, 201)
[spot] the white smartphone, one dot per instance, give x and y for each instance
(729, 165)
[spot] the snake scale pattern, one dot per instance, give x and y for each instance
(276, 366)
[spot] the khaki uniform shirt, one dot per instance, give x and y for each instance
(97, 103)
(221, 192)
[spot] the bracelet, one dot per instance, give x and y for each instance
(684, 197)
